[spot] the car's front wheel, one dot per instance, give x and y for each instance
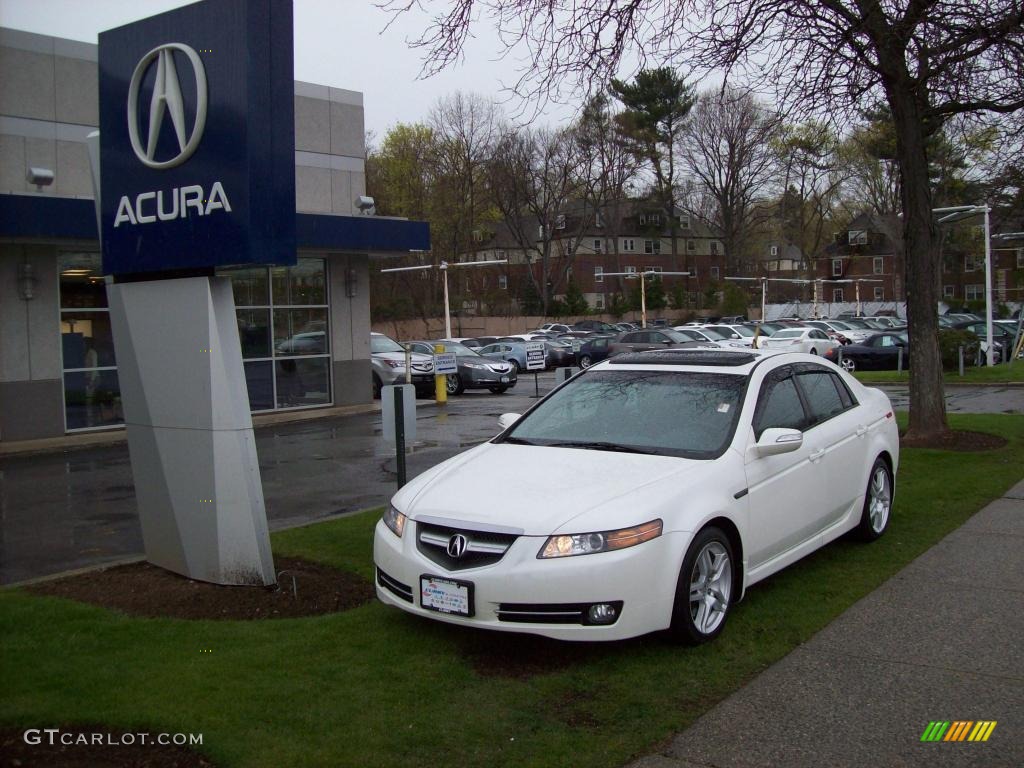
(498, 390)
(705, 588)
(849, 365)
(585, 361)
(877, 502)
(377, 386)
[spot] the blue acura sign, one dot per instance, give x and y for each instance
(197, 139)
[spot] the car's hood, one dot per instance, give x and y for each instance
(533, 489)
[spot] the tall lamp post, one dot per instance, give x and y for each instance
(958, 213)
(643, 286)
(444, 266)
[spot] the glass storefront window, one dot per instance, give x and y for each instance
(92, 395)
(284, 332)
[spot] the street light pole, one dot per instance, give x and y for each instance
(447, 309)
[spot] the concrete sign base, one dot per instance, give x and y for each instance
(193, 453)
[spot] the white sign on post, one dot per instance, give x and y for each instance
(445, 363)
(389, 414)
(535, 356)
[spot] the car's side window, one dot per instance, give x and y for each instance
(779, 406)
(658, 338)
(821, 389)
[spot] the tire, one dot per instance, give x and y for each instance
(814, 351)
(849, 365)
(377, 385)
(874, 519)
(453, 384)
(705, 589)
(585, 361)
(498, 390)
(515, 366)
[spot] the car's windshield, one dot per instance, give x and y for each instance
(677, 336)
(671, 413)
(713, 335)
(384, 344)
(742, 330)
(460, 350)
(858, 324)
(840, 325)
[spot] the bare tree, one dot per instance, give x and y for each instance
(930, 60)
(533, 178)
(727, 149)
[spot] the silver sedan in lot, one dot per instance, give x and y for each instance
(476, 371)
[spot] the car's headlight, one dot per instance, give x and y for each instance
(603, 541)
(478, 366)
(394, 520)
(394, 363)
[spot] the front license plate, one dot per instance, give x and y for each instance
(446, 595)
(504, 379)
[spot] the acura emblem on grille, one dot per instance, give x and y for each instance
(457, 546)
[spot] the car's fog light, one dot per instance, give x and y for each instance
(603, 613)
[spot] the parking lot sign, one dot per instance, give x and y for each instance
(535, 356)
(444, 363)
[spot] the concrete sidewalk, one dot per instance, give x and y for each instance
(941, 640)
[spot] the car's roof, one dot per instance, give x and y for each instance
(698, 359)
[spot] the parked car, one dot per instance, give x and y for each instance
(833, 328)
(695, 475)
(306, 343)
(387, 360)
(513, 352)
(626, 326)
(475, 370)
(652, 338)
(595, 325)
(813, 341)
(594, 350)
(555, 327)
(737, 333)
(1001, 337)
(480, 341)
(880, 352)
(560, 353)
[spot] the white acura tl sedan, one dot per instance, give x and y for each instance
(653, 489)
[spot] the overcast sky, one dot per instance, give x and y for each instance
(341, 43)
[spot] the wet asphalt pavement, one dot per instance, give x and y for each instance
(76, 508)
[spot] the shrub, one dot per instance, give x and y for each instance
(949, 343)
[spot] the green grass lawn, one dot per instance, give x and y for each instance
(998, 374)
(376, 687)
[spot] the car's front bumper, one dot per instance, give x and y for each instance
(643, 578)
(475, 378)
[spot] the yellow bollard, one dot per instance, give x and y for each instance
(440, 381)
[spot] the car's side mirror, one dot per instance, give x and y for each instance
(776, 440)
(506, 420)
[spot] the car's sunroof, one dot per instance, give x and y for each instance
(686, 357)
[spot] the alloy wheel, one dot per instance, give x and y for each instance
(881, 499)
(849, 365)
(710, 587)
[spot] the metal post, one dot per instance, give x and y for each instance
(857, 284)
(408, 363)
(643, 299)
(400, 435)
(960, 351)
(990, 353)
(447, 311)
(536, 385)
(899, 360)
(839, 355)
(764, 295)
(440, 380)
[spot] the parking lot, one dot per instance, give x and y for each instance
(76, 508)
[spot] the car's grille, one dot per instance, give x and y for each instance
(423, 367)
(549, 613)
(394, 586)
(482, 547)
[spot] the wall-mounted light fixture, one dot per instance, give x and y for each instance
(351, 282)
(26, 281)
(41, 177)
(366, 205)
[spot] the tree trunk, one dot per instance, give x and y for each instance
(921, 240)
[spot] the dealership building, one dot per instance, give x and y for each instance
(304, 330)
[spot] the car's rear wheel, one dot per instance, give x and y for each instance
(453, 384)
(705, 588)
(878, 497)
(585, 361)
(377, 385)
(849, 365)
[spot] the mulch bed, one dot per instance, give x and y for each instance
(15, 753)
(958, 440)
(141, 589)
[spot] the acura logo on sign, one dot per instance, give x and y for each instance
(457, 545)
(166, 101)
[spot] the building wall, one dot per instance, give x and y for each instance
(48, 106)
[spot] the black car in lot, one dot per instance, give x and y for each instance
(594, 350)
(880, 352)
(475, 370)
(598, 326)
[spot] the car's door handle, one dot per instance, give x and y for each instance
(862, 430)
(817, 454)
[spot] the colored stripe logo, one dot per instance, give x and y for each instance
(958, 730)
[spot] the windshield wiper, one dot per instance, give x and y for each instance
(603, 446)
(518, 441)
